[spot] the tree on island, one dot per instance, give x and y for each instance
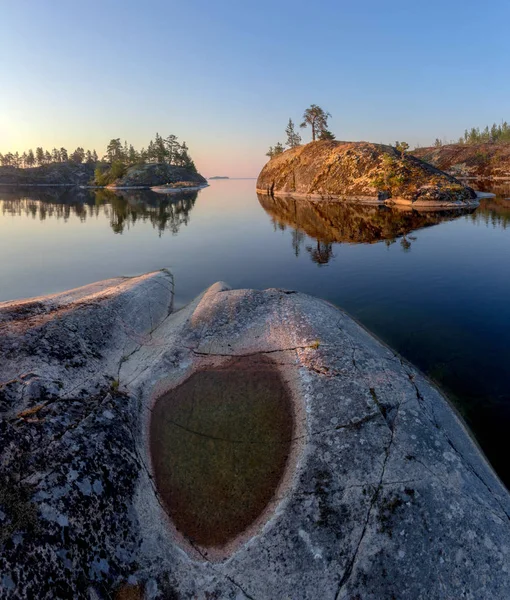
(402, 147)
(78, 155)
(30, 158)
(293, 138)
(279, 148)
(114, 150)
(39, 156)
(317, 119)
(325, 134)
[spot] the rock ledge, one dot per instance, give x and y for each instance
(388, 495)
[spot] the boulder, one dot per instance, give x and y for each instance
(382, 494)
(361, 172)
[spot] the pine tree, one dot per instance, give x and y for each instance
(402, 147)
(172, 147)
(132, 155)
(160, 151)
(30, 158)
(39, 155)
(278, 148)
(293, 138)
(316, 118)
(326, 134)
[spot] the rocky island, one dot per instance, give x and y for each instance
(138, 176)
(160, 177)
(484, 160)
(254, 444)
(165, 165)
(361, 172)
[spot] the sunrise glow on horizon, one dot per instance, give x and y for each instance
(226, 77)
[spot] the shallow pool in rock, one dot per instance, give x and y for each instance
(220, 443)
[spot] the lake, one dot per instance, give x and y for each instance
(434, 286)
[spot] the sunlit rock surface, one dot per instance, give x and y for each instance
(362, 172)
(482, 160)
(380, 491)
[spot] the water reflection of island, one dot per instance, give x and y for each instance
(337, 222)
(122, 208)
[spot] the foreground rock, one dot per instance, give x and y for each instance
(361, 172)
(384, 494)
(159, 174)
(477, 161)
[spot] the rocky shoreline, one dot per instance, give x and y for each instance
(487, 160)
(385, 493)
(361, 172)
(143, 176)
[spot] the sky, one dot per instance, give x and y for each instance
(226, 76)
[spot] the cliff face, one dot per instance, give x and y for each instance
(150, 175)
(469, 160)
(360, 171)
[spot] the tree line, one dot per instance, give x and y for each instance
(475, 135)
(314, 117)
(45, 157)
(160, 150)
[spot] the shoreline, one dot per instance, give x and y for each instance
(371, 200)
(158, 189)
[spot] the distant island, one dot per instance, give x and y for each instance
(219, 177)
(166, 162)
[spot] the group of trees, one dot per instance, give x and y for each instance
(121, 156)
(475, 135)
(160, 150)
(497, 133)
(45, 157)
(314, 117)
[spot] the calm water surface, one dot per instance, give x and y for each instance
(434, 287)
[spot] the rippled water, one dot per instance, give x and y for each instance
(436, 287)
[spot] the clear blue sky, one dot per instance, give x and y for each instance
(225, 76)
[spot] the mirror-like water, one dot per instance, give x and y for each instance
(219, 447)
(439, 294)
